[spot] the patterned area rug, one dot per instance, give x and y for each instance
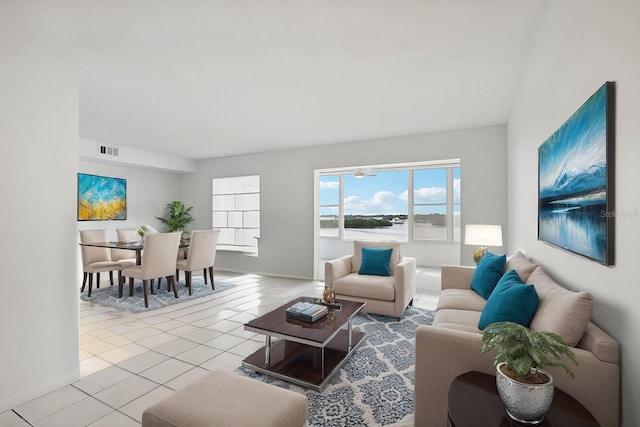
(108, 295)
(375, 385)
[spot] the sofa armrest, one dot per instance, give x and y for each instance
(335, 269)
(405, 283)
(456, 277)
(441, 355)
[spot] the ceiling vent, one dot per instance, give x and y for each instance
(105, 150)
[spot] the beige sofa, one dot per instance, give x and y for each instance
(451, 345)
(386, 295)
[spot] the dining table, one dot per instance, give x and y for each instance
(133, 245)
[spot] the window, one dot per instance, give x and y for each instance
(236, 213)
(417, 202)
(329, 201)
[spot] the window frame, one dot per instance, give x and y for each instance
(239, 211)
(450, 204)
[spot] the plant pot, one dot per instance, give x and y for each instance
(525, 403)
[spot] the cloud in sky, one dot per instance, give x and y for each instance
(329, 185)
(432, 194)
(381, 202)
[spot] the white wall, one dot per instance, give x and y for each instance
(582, 44)
(286, 179)
(38, 165)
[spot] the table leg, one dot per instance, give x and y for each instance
(349, 336)
(267, 350)
(322, 362)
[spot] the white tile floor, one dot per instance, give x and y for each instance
(128, 362)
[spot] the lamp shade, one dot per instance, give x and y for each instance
(483, 235)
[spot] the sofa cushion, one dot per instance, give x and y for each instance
(375, 261)
(562, 311)
(461, 320)
(364, 286)
(463, 299)
(520, 263)
(511, 301)
(356, 260)
(487, 274)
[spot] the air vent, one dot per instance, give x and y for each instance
(105, 150)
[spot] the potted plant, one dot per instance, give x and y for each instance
(525, 389)
(179, 216)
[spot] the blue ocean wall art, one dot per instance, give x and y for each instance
(576, 180)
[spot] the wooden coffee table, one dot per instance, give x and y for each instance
(474, 402)
(304, 353)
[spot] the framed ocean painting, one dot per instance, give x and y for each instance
(101, 198)
(576, 180)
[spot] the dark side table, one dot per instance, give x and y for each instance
(474, 402)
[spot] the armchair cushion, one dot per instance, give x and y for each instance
(375, 261)
(356, 260)
(364, 286)
(487, 274)
(510, 301)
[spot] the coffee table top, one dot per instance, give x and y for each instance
(276, 323)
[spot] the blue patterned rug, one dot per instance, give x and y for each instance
(375, 385)
(108, 295)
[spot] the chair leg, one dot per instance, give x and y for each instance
(211, 277)
(84, 281)
(152, 291)
(111, 277)
(144, 290)
(98, 281)
(130, 286)
(173, 284)
(177, 275)
(187, 275)
(90, 284)
(204, 273)
(120, 284)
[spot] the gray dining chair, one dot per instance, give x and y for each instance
(160, 252)
(200, 256)
(96, 260)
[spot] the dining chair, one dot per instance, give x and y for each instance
(160, 252)
(200, 256)
(125, 256)
(96, 260)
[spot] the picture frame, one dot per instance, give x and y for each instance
(101, 198)
(576, 188)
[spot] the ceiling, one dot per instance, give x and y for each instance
(202, 79)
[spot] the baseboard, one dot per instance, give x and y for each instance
(42, 389)
(284, 276)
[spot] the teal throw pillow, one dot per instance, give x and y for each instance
(376, 261)
(487, 274)
(511, 301)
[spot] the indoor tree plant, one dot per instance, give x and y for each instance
(525, 389)
(179, 216)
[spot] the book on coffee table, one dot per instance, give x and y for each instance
(306, 311)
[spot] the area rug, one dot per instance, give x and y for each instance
(108, 295)
(375, 386)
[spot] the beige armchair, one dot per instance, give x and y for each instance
(386, 295)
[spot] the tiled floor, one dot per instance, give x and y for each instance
(130, 361)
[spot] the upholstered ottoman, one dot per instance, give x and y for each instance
(223, 398)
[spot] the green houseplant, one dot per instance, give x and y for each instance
(525, 388)
(179, 216)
